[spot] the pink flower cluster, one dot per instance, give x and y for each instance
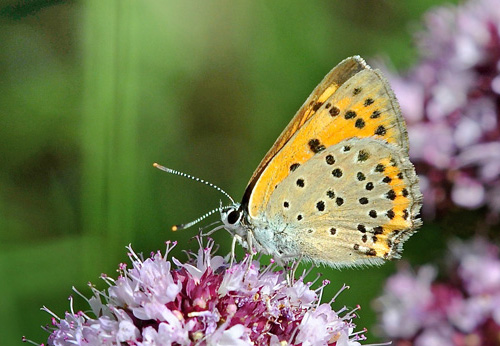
(205, 302)
(462, 309)
(451, 101)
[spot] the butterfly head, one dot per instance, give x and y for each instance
(232, 218)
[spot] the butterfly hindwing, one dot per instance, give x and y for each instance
(353, 203)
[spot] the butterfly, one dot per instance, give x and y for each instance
(337, 187)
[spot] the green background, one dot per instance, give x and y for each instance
(93, 92)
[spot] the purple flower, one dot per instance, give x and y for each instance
(451, 100)
(162, 301)
(462, 308)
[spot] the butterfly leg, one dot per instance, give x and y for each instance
(233, 248)
(290, 276)
(250, 238)
(251, 250)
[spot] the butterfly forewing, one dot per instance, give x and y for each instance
(364, 106)
(328, 86)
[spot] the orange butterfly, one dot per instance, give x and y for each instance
(337, 186)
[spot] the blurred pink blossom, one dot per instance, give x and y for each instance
(463, 305)
(451, 101)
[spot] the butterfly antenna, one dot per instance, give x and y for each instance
(189, 224)
(185, 175)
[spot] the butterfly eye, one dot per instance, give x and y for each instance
(233, 217)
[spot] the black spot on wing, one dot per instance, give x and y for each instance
(315, 145)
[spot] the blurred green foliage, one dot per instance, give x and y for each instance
(93, 92)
